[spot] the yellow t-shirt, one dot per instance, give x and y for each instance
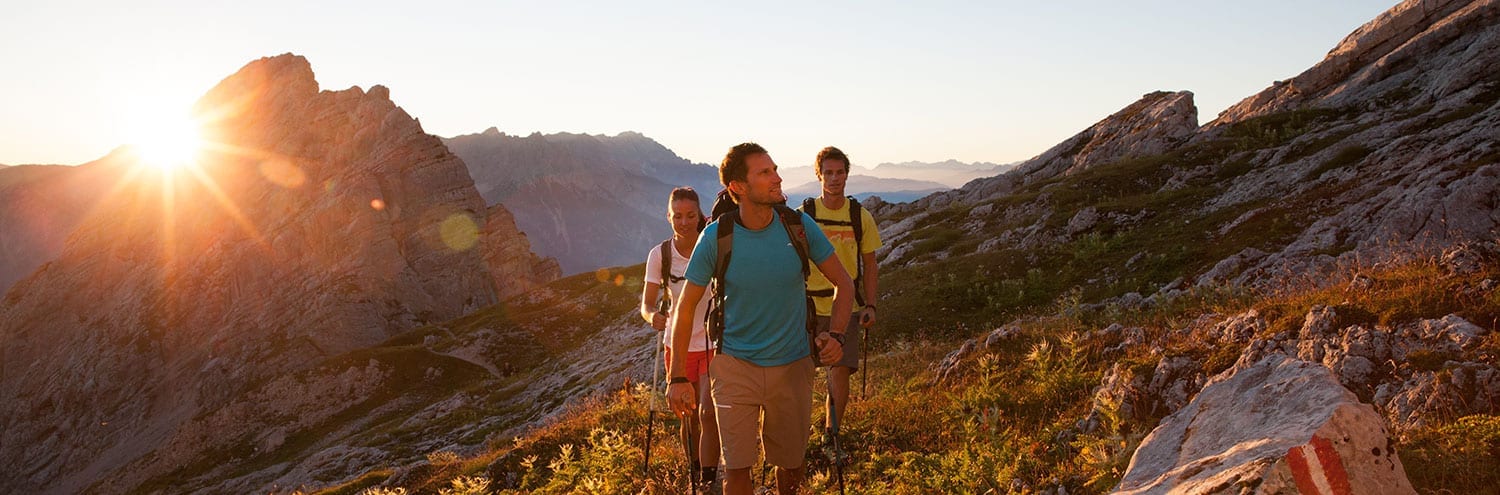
(842, 237)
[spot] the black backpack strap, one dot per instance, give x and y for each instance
(666, 276)
(810, 207)
(791, 220)
(724, 240)
(857, 221)
(666, 263)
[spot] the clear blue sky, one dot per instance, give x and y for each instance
(891, 81)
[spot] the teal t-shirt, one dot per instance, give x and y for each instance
(765, 313)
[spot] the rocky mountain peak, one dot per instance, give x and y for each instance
(318, 222)
(1151, 125)
(268, 83)
(1154, 124)
(1376, 60)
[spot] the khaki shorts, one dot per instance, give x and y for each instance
(854, 340)
(742, 391)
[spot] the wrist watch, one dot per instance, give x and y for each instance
(679, 379)
(837, 337)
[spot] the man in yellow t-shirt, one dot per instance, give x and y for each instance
(832, 212)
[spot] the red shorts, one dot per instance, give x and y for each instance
(697, 365)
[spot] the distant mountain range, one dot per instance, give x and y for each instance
(949, 174)
(952, 173)
(865, 186)
(589, 201)
(595, 201)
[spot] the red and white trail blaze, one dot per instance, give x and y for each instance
(1317, 468)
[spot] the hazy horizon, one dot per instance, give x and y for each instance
(885, 82)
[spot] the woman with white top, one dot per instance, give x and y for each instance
(685, 213)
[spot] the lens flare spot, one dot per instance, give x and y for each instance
(619, 279)
(377, 204)
(460, 232)
(283, 173)
(601, 274)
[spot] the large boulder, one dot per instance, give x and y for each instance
(1279, 426)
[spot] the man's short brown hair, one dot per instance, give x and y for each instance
(735, 167)
(830, 153)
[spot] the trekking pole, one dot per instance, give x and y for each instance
(833, 421)
(651, 409)
(864, 367)
(662, 306)
(688, 434)
(833, 436)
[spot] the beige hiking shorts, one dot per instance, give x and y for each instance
(743, 391)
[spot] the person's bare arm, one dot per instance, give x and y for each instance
(682, 396)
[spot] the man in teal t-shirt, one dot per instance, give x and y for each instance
(765, 364)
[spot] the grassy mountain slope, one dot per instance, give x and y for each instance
(1008, 421)
(1008, 418)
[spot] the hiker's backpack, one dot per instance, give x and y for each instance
(722, 204)
(856, 220)
(791, 221)
(666, 277)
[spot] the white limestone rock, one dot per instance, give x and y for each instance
(1274, 427)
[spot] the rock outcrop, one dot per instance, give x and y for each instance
(1386, 54)
(507, 253)
(1155, 124)
(1388, 144)
(319, 223)
(589, 201)
(1410, 155)
(1385, 364)
(1278, 426)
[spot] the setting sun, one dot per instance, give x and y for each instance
(168, 143)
